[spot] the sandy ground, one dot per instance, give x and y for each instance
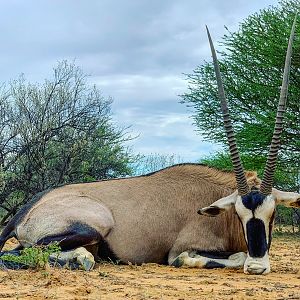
(151, 281)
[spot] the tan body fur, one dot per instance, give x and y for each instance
(143, 219)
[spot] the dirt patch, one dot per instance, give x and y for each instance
(152, 281)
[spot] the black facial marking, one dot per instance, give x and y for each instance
(256, 235)
(270, 229)
(253, 200)
(243, 229)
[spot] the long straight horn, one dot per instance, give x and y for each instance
(241, 180)
(267, 181)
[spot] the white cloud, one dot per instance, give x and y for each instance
(135, 50)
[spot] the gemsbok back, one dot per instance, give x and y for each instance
(153, 218)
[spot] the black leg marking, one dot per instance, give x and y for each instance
(215, 254)
(213, 264)
(81, 235)
(77, 235)
(9, 264)
(15, 252)
(60, 263)
(105, 252)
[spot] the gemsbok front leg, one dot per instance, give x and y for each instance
(192, 259)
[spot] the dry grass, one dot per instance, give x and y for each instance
(152, 281)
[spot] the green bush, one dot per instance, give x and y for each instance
(35, 257)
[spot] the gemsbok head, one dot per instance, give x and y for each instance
(255, 207)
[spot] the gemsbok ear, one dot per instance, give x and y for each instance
(219, 206)
(288, 199)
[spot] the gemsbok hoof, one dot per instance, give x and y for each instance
(76, 259)
(84, 258)
(180, 259)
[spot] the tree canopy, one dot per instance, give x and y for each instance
(251, 61)
(55, 133)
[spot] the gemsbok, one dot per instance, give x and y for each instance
(153, 218)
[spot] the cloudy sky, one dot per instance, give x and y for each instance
(136, 51)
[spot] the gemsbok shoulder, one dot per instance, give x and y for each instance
(153, 218)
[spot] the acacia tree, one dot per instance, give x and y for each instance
(54, 133)
(251, 62)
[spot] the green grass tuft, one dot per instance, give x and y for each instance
(35, 257)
